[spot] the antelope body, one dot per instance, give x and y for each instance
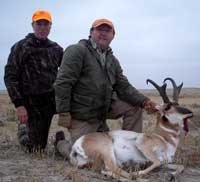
(116, 148)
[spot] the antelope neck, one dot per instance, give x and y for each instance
(169, 132)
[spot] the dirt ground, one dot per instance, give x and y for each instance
(18, 166)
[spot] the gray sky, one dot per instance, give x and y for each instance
(154, 38)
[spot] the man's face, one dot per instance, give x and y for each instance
(41, 28)
(102, 35)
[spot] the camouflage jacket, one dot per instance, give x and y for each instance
(84, 87)
(31, 68)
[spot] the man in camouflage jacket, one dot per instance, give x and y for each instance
(29, 76)
(90, 87)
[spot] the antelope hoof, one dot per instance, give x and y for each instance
(111, 174)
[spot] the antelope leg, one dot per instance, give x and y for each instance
(115, 176)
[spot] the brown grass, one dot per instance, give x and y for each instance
(15, 165)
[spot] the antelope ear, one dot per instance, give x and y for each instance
(159, 107)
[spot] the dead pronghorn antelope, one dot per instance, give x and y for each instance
(115, 148)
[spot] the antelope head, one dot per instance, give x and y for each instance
(170, 110)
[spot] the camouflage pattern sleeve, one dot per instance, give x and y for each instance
(12, 75)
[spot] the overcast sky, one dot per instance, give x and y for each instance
(154, 38)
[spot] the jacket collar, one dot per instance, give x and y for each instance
(34, 40)
(93, 51)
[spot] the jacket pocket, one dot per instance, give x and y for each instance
(83, 100)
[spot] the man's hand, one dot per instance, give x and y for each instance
(22, 114)
(65, 120)
(150, 106)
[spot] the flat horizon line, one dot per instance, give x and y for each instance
(145, 88)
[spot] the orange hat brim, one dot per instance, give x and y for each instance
(41, 15)
(99, 22)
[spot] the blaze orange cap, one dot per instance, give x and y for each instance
(102, 21)
(41, 15)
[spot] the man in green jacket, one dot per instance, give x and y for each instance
(90, 87)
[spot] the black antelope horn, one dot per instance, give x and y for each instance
(176, 89)
(161, 90)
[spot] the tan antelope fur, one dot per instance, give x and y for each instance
(117, 147)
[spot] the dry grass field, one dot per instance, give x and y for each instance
(17, 166)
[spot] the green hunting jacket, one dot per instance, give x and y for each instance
(32, 68)
(84, 87)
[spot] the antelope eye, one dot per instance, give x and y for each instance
(75, 154)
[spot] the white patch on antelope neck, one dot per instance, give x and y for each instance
(77, 155)
(175, 119)
(168, 129)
